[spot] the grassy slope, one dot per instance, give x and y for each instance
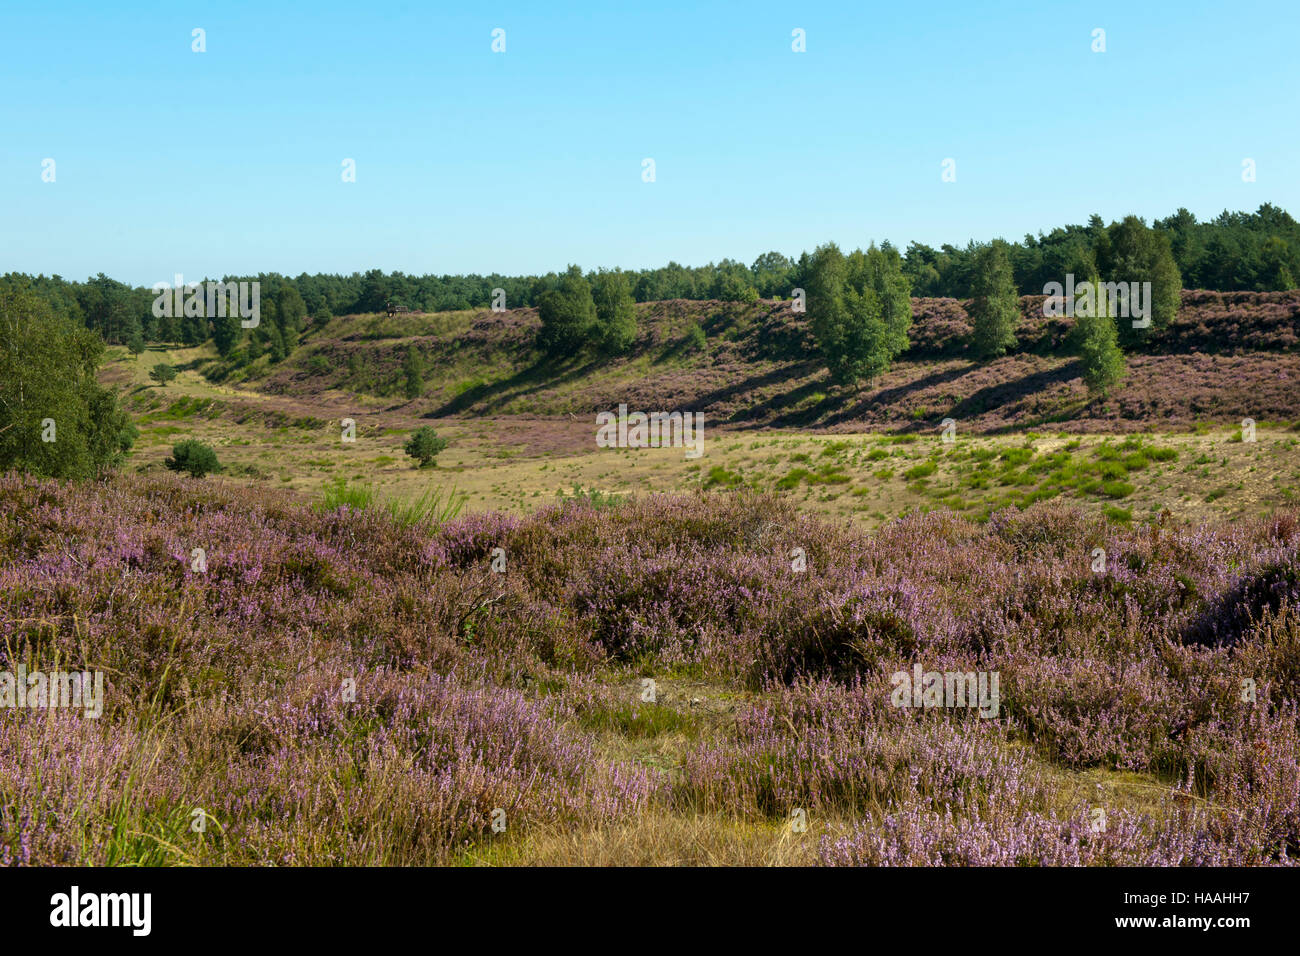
(522, 428)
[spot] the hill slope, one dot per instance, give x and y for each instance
(1228, 356)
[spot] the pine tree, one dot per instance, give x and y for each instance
(225, 333)
(424, 446)
(1133, 253)
(291, 314)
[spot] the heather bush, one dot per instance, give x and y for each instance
(477, 690)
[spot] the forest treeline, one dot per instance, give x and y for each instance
(1236, 251)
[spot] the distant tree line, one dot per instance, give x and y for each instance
(1235, 252)
(1238, 251)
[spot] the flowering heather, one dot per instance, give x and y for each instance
(1225, 356)
(337, 688)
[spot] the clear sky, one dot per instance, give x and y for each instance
(229, 161)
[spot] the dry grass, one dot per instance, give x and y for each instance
(658, 838)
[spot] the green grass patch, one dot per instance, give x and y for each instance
(1116, 489)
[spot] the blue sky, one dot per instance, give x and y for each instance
(229, 161)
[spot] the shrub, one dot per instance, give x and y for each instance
(194, 458)
(720, 477)
(793, 479)
(424, 445)
(1116, 489)
(162, 373)
(695, 338)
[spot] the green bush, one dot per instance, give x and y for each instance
(162, 373)
(696, 340)
(194, 458)
(719, 477)
(424, 445)
(793, 479)
(1116, 489)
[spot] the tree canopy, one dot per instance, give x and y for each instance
(56, 420)
(859, 309)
